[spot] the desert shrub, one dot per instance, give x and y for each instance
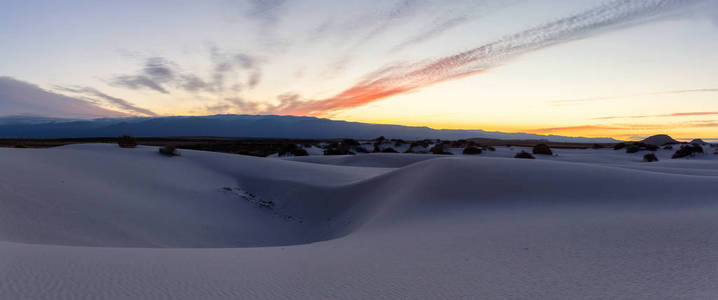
(619, 146)
(350, 142)
(439, 149)
(20, 145)
(127, 141)
(458, 144)
(668, 147)
(687, 150)
(287, 149)
(633, 149)
(524, 154)
(377, 149)
(649, 147)
(542, 149)
(169, 150)
(424, 143)
(471, 150)
(650, 157)
(380, 139)
(338, 149)
(389, 150)
(361, 149)
(292, 149)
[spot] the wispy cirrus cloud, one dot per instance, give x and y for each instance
(400, 79)
(679, 114)
(593, 99)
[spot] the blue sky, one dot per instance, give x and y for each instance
(596, 68)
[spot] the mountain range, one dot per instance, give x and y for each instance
(259, 126)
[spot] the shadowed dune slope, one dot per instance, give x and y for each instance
(101, 195)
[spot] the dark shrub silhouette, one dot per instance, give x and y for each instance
(20, 145)
(633, 149)
(361, 149)
(127, 141)
(619, 146)
(338, 149)
(292, 149)
(389, 150)
(439, 149)
(380, 139)
(377, 149)
(169, 150)
(471, 150)
(596, 146)
(524, 154)
(649, 147)
(542, 149)
(350, 142)
(650, 157)
(687, 150)
(668, 147)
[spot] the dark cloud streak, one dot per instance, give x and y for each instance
(114, 101)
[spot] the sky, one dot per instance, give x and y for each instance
(624, 69)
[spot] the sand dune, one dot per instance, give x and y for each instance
(97, 221)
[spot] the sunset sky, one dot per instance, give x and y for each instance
(622, 69)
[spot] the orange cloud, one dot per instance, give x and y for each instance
(401, 79)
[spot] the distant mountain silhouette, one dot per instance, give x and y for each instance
(265, 126)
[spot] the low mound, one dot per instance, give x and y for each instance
(659, 140)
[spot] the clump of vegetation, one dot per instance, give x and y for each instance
(596, 146)
(649, 147)
(632, 149)
(350, 142)
(292, 149)
(688, 150)
(389, 150)
(639, 146)
(524, 154)
(619, 146)
(439, 149)
(542, 149)
(338, 149)
(20, 145)
(650, 157)
(668, 147)
(361, 149)
(127, 141)
(471, 150)
(169, 150)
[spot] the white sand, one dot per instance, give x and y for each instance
(97, 221)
